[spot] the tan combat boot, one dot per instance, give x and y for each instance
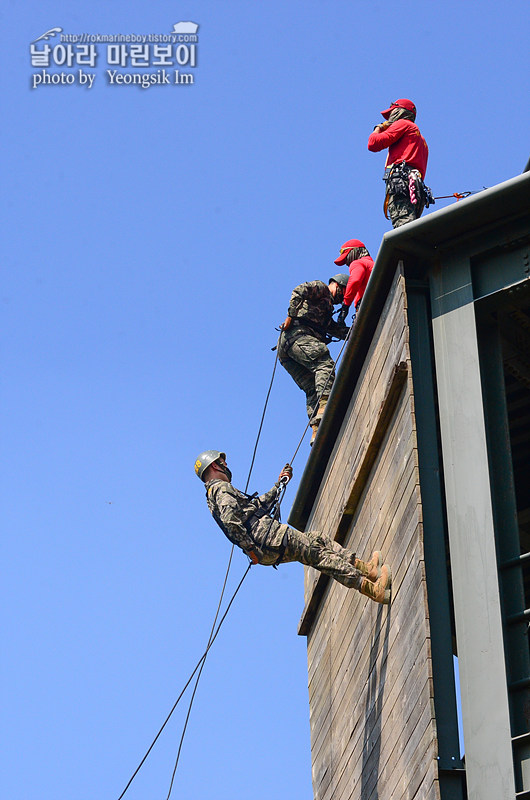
(314, 425)
(321, 406)
(370, 569)
(380, 590)
(315, 422)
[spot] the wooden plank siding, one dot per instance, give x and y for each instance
(373, 732)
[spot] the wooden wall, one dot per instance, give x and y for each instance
(373, 733)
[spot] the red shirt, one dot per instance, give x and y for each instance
(360, 271)
(404, 142)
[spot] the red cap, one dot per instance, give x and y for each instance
(403, 103)
(345, 249)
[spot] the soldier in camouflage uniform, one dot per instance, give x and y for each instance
(247, 522)
(302, 346)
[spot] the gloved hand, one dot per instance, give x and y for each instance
(341, 331)
(343, 313)
(287, 324)
(286, 474)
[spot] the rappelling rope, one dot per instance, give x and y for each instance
(199, 663)
(214, 631)
(262, 419)
(280, 497)
(278, 503)
(210, 642)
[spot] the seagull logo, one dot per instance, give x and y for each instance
(49, 34)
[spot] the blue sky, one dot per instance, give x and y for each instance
(153, 239)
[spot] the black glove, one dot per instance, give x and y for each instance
(341, 331)
(343, 313)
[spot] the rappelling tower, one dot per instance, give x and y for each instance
(424, 450)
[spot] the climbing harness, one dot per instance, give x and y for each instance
(307, 323)
(274, 515)
(402, 180)
(272, 512)
(340, 332)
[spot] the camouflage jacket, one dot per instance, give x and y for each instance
(312, 302)
(237, 513)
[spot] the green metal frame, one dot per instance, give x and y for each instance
(451, 771)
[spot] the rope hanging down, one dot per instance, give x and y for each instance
(280, 497)
(210, 642)
(213, 633)
(201, 661)
(262, 420)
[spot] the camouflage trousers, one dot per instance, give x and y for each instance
(401, 210)
(313, 549)
(308, 362)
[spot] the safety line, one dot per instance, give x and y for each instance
(226, 577)
(201, 661)
(210, 642)
(200, 671)
(262, 419)
(458, 195)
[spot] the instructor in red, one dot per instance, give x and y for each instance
(354, 255)
(406, 163)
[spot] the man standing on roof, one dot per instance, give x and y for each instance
(247, 522)
(356, 257)
(302, 349)
(406, 163)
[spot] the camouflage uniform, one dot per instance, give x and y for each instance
(302, 347)
(246, 522)
(401, 210)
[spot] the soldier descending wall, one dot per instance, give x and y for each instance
(308, 328)
(249, 522)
